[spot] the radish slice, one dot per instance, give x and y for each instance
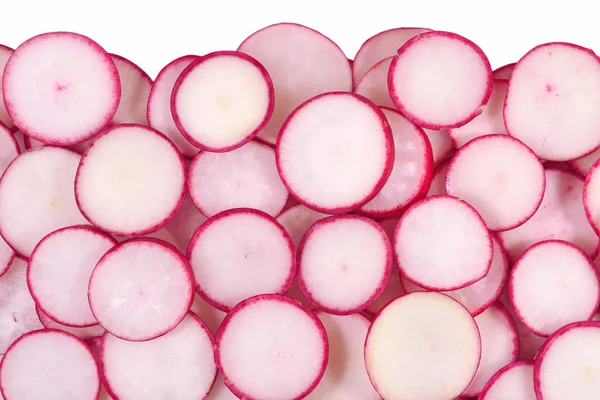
(555, 77)
(130, 181)
(441, 144)
(222, 100)
(243, 178)
(141, 289)
(297, 219)
(463, 245)
(438, 182)
(85, 333)
(5, 53)
(344, 263)
(268, 347)
(591, 197)
(514, 382)
(185, 223)
(583, 165)
(289, 53)
(179, 365)
(61, 88)
(59, 270)
(211, 316)
(503, 72)
(49, 364)
(398, 349)
(135, 88)
(335, 152)
(440, 80)
(220, 391)
(374, 85)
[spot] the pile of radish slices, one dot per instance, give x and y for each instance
(280, 222)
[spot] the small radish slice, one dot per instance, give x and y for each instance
(85, 333)
(514, 382)
(141, 289)
(5, 53)
(335, 152)
(463, 245)
(222, 100)
(220, 391)
(49, 364)
(244, 177)
(583, 165)
(344, 263)
(130, 181)
(268, 347)
(550, 103)
(438, 182)
(503, 72)
(441, 144)
(61, 88)
(211, 316)
(591, 197)
(406, 355)
(374, 86)
(440, 80)
(135, 88)
(552, 284)
(179, 365)
(185, 223)
(297, 219)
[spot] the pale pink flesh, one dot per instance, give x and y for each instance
(86, 333)
(514, 382)
(209, 314)
(503, 72)
(185, 223)
(591, 197)
(5, 53)
(297, 219)
(438, 182)
(441, 144)
(94, 345)
(20, 138)
(31, 143)
(583, 165)
(374, 84)
(135, 88)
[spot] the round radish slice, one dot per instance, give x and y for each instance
(85, 333)
(500, 177)
(440, 80)
(130, 181)
(553, 284)
(59, 270)
(438, 182)
(244, 177)
(135, 88)
(268, 347)
(5, 53)
(550, 104)
(335, 152)
(503, 72)
(583, 165)
(461, 242)
(61, 88)
(514, 382)
(211, 316)
(344, 263)
(297, 219)
(141, 289)
(185, 223)
(179, 365)
(289, 53)
(422, 346)
(591, 197)
(374, 85)
(222, 100)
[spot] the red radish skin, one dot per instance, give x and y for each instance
(297, 219)
(85, 333)
(503, 72)
(514, 381)
(94, 346)
(583, 165)
(291, 202)
(591, 197)
(5, 53)
(185, 223)
(210, 315)
(438, 182)
(135, 88)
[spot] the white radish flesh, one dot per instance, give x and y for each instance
(583, 165)
(503, 72)
(185, 223)
(5, 53)
(514, 382)
(135, 88)
(297, 219)
(85, 333)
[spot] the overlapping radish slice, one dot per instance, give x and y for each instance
(5, 53)
(83, 333)
(9, 150)
(135, 88)
(583, 165)
(297, 219)
(374, 86)
(503, 72)
(514, 381)
(185, 223)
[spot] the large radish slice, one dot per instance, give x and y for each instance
(297, 219)
(591, 197)
(211, 316)
(130, 181)
(583, 165)
(179, 365)
(550, 104)
(335, 152)
(514, 382)
(84, 333)
(503, 72)
(374, 86)
(463, 245)
(135, 88)
(61, 88)
(438, 182)
(5, 53)
(185, 223)
(440, 80)
(141, 289)
(288, 52)
(269, 347)
(422, 346)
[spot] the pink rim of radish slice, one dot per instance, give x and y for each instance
(59, 270)
(229, 259)
(335, 152)
(503, 72)
(440, 80)
(514, 382)
(222, 100)
(591, 197)
(374, 85)
(211, 316)
(288, 52)
(583, 165)
(297, 219)
(130, 181)
(5, 53)
(185, 223)
(32, 143)
(84, 333)
(412, 169)
(178, 365)
(403, 335)
(352, 251)
(61, 88)
(438, 181)
(49, 364)
(220, 391)
(141, 289)
(9, 150)
(549, 78)
(270, 347)
(441, 243)
(135, 88)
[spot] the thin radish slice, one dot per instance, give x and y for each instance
(514, 382)
(374, 86)
(591, 197)
(244, 177)
(211, 316)
(131, 180)
(141, 289)
(36, 197)
(185, 223)
(222, 100)
(583, 165)
(441, 144)
(85, 333)
(61, 88)
(268, 347)
(5, 53)
(463, 245)
(135, 88)
(503, 72)
(398, 349)
(297, 219)
(438, 182)
(220, 391)
(335, 152)
(59, 270)
(49, 364)
(344, 263)
(288, 52)
(179, 365)
(550, 104)
(440, 80)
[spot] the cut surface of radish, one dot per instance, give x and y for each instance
(591, 197)
(141, 289)
(297, 219)
(60, 88)
(374, 84)
(84, 333)
(130, 181)
(208, 314)
(135, 88)
(185, 223)
(5, 53)
(440, 80)
(503, 72)
(514, 381)
(583, 165)
(335, 152)
(438, 182)
(408, 358)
